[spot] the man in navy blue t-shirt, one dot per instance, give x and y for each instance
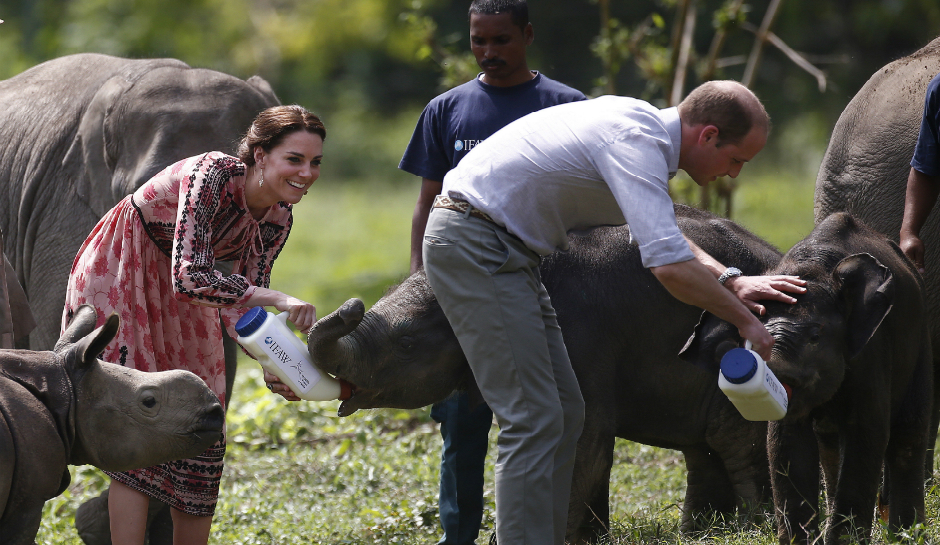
(923, 183)
(450, 126)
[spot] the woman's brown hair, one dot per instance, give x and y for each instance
(272, 125)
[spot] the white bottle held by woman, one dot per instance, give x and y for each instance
(267, 337)
(752, 386)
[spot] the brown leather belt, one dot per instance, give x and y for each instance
(457, 205)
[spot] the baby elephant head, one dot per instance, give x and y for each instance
(127, 419)
(815, 338)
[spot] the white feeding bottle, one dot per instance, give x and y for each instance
(752, 386)
(267, 337)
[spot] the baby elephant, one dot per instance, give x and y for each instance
(67, 407)
(856, 354)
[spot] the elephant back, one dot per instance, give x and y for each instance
(82, 131)
(866, 165)
(40, 108)
(40, 111)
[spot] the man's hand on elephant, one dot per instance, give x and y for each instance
(751, 289)
(275, 385)
(913, 248)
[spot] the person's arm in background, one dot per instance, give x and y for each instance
(922, 192)
(419, 220)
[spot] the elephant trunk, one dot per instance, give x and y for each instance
(324, 341)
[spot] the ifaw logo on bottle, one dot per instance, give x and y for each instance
(284, 361)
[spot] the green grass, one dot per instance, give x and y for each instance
(296, 473)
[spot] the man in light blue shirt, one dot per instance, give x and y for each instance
(514, 198)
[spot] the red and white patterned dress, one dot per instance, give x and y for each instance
(151, 259)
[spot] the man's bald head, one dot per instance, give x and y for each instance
(729, 106)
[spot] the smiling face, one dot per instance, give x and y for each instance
(290, 168)
(499, 46)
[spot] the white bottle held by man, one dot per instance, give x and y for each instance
(267, 337)
(752, 386)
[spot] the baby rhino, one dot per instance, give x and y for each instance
(67, 407)
(855, 353)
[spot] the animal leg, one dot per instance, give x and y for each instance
(709, 492)
(853, 498)
(905, 459)
(589, 506)
(794, 474)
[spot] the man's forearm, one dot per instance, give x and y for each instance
(703, 257)
(921, 194)
(419, 219)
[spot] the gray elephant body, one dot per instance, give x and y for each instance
(81, 132)
(866, 166)
(622, 330)
(855, 352)
(66, 407)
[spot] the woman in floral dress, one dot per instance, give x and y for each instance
(151, 259)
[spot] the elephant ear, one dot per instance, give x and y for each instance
(89, 158)
(867, 289)
(710, 339)
(264, 88)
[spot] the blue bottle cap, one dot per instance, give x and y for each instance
(738, 365)
(251, 321)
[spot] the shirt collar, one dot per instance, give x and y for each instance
(670, 118)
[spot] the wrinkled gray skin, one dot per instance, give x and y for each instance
(866, 166)
(79, 133)
(67, 407)
(623, 332)
(855, 351)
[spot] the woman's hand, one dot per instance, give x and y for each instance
(275, 385)
(301, 313)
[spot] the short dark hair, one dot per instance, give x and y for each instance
(518, 9)
(272, 125)
(727, 105)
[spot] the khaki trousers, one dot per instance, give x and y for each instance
(487, 282)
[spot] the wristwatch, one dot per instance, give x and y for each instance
(730, 272)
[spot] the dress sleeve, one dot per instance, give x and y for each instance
(202, 192)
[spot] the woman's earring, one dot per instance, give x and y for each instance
(261, 181)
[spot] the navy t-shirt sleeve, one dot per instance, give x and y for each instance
(927, 151)
(426, 155)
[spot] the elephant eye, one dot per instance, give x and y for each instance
(406, 342)
(149, 402)
(815, 333)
